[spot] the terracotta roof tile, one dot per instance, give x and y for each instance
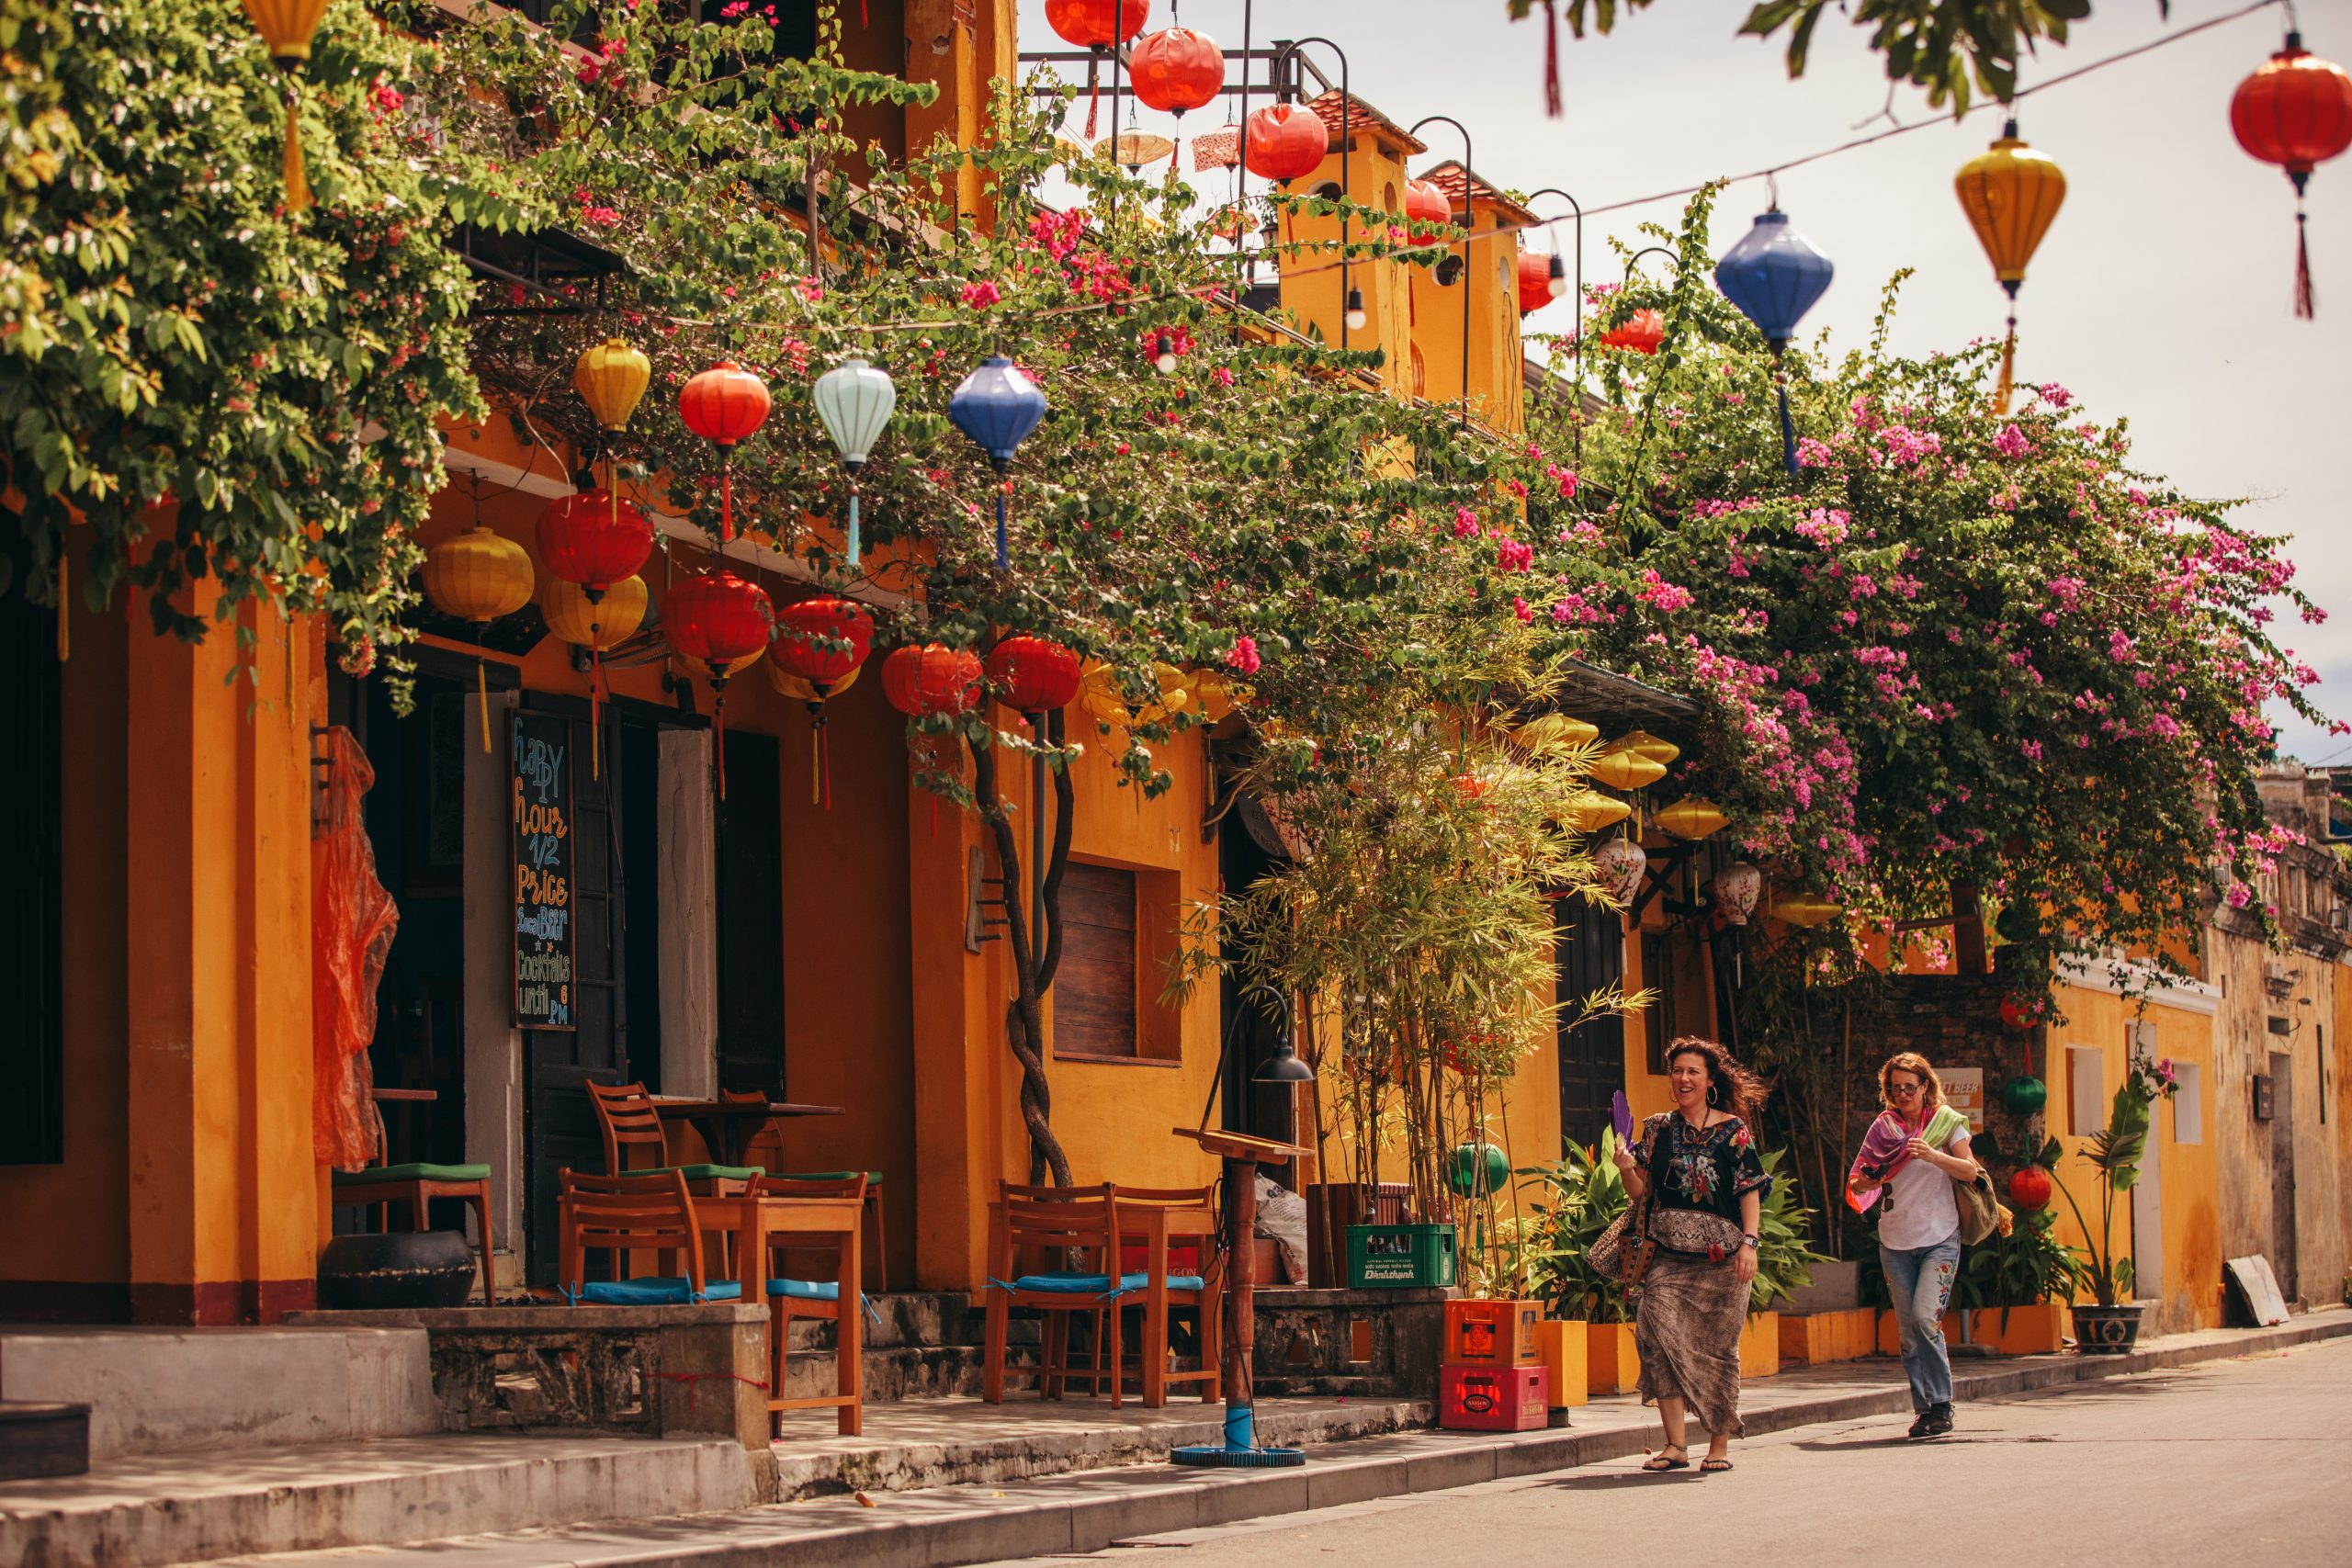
(1363, 116)
(1449, 177)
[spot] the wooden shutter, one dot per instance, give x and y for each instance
(1094, 992)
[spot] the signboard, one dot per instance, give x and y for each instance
(1964, 1092)
(2339, 805)
(539, 761)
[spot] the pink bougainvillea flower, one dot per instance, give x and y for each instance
(980, 296)
(1243, 655)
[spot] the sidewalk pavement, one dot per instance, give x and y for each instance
(1086, 1511)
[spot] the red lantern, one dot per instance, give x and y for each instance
(723, 405)
(2030, 1188)
(1176, 70)
(2295, 112)
(932, 679)
(2014, 1015)
(1427, 205)
(595, 540)
(1642, 332)
(1534, 281)
(1033, 675)
(822, 640)
(717, 617)
(1285, 141)
(1089, 24)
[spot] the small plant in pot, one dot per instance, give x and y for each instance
(1784, 1254)
(1569, 1206)
(2114, 1152)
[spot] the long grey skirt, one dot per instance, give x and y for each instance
(1686, 1330)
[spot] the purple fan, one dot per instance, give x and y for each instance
(1620, 1116)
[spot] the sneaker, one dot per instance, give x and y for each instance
(1920, 1426)
(1936, 1423)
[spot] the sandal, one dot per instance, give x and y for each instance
(1658, 1463)
(1713, 1466)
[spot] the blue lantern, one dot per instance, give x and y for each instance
(1775, 275)
(996, 407)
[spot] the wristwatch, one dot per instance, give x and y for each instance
(1752, 1241)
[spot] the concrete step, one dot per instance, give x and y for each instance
(147, 1511)
(168, 1390)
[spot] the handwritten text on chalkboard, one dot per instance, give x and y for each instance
(541, 766)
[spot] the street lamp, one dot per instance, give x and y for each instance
(1469, 220)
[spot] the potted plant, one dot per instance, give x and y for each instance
(2112, 1326)
(1567, 1207)
(1784, 1260)
(2030, 1276)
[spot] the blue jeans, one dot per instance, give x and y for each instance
(1919, 1281)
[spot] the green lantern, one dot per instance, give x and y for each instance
(1479, 1168)
(2024, 1096)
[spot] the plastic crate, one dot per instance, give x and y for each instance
(1494, 1399)
(1395, 1257)
(1492, 1334)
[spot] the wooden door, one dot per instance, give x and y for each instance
(751, 918)
(2283, 1172)
(1590, 957)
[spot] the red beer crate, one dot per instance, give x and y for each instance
(1492, 1334)
(1494, 1399)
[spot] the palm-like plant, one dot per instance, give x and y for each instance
(2114, 1151)
(1579, 1197)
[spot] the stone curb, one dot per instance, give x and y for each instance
(1087, 1511)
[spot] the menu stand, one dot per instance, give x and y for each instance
(1242, 1157)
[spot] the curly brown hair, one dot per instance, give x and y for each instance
(1730, 1086)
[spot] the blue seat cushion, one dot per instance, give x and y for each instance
(670, 1291)
(704, 1172)
(807, 1290)
(419, 1172)
(1098, 1284)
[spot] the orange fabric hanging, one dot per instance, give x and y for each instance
(351, 923)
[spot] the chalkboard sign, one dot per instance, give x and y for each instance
(539, 758)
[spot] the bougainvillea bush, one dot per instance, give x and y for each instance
(1962, 648)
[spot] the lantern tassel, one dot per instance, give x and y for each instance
(1788, 426)
(1093, 88)
(595, 701)
(726, 499)
(1003, 548)
(64, 608)
(482, 686)
(854, 550)
(1550, 60)
(2305, 307)
(719, 730)
(2008, 368)
(298, 184)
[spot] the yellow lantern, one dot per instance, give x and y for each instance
(2010, 193)
(478, 576)
(1621, 767)
(1692, 819)
(1217, 695)
(1655, 748)
(1808, 909)
(1554, 729)
(1590, 811)
(286, 28)
(612, 377)
(601, 626)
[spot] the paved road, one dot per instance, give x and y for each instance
(2245, 1462)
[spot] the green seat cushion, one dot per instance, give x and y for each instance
(420, 1172)
(705, 1172)
(873, 1177)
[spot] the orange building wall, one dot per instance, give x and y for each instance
(1314, 289)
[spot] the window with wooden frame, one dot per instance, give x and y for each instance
(1119, 925)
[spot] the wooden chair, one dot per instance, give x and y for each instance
(791, 1297)
(767, 1151)
(629, 1118)
(1163, 1290)
(416, 1184)
(651, 1212)
(1056, 1221)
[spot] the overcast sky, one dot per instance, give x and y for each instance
(2161, 292)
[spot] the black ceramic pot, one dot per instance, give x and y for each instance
(2107, 1331)
(398, 1270)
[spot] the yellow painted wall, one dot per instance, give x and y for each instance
(1438, 322)
(1312, 288)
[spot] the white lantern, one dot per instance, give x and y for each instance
(1620, 865)
(1735, 891)
(854, 400)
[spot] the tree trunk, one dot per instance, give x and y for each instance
(1032, 967)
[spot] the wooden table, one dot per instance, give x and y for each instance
(754, 1224)
(1242, 1156)
(1154, 1225)
(728, 1127)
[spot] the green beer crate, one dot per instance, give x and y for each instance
(1395, 1257)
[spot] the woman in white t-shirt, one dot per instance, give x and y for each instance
(1910, 1157)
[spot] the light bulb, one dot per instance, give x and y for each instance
(1166, 363)
(1355, 310)
(1559, 282)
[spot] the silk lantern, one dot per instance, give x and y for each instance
(1096, 26)
(1774, 275)
(1034, 675)
(1657, 749)
(2025, 1095)
(2010, 193)
(1427, 204)
(1734, 890)
(1588, 811)
(1691, 819)
(286, 28)
(724, 405)
(1535, 276)
(2029, 1187)
(717, 617)
(853, 402)
(478, 576)
(1284, 141)
(2295, 112)
(996, 407)
(1642, 332)
(1176, 69)
(1623, 768)
(1621, 863)
(1809, 910)
(611, 379)
(823, 641)
(595, 539)
(611, 619)
(929, 681)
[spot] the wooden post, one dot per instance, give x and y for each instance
(1241, 1312)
